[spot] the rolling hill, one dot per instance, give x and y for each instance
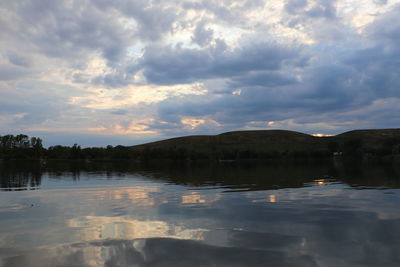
(273, 144)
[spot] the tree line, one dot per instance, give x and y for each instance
(24, 147)
(20, 147)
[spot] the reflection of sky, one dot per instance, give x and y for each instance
(325, 223)
(125, 227)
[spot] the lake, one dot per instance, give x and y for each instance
(319, 213)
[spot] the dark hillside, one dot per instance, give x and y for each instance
(237, 145)
(265, 144)
(380, 142)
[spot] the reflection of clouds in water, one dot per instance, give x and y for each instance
(153, 196)
(156, 252)
(260, 240)
(194, 198)
(305, 193)
(332, 195)
(272, 198)
(332, 238)
(101, 227)
(95, 228)
(13, 207)
(348, 238)
(197, 198)
(333, 225)
(48, 257)
(140, 195)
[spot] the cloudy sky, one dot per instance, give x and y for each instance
(98, 72)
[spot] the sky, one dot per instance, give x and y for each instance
(99, 72)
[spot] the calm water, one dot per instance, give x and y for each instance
(259, 214)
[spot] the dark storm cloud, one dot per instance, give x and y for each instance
(329, 91)
(263, 79)
(271, 96)
(234, 110)
(170, 65)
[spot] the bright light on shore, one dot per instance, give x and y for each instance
(322, 135)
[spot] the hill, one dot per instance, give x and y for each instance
(379, 142)
(273, 144)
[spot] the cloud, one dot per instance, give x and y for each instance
(152, 19)
(262, 79)
(12, 72)
(322, 90)
(19, 60)
(114, 80)
(295, 6)
(313, 9)
(169, 65)
(232, 12)
(385, 29)
(79, 29)
(381, 2)
(202, 36)
(323, 9)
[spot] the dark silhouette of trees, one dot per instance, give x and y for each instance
(58, 152)
(75, 152)
(391, 146)
(353, 147)
(20, 147)
(24, 147)
(37, 147)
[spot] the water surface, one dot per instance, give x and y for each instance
(227, 214)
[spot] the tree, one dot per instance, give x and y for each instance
(75, 152)
(37, 147)
(352, 147)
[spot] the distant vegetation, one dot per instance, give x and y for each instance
(20, 147)
(242, 145)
